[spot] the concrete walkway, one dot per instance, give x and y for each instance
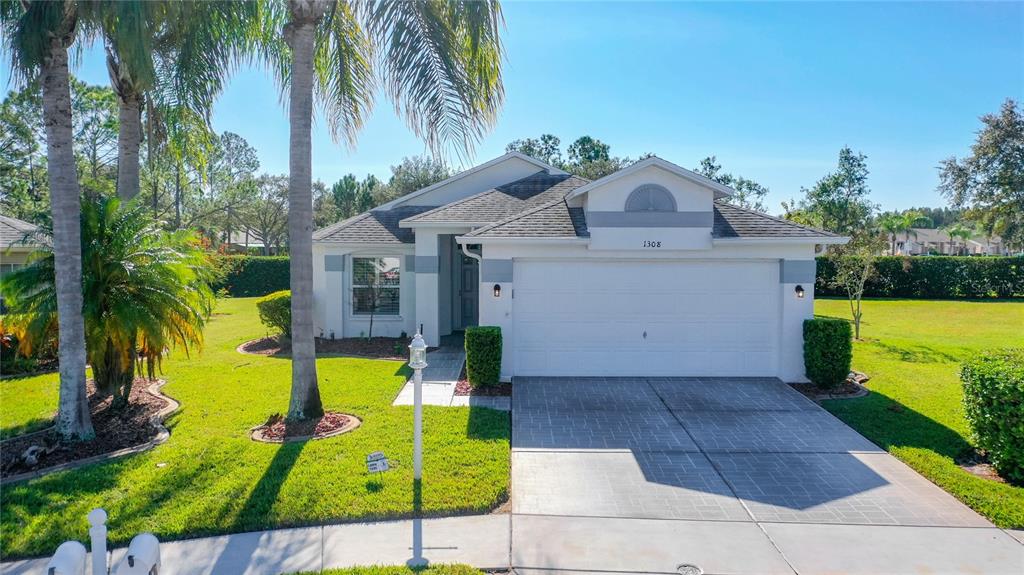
(444, 366)
(734, 476)
(478, 540)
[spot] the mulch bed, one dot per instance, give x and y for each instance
(977, 464)
(851, 388)
(134, 425)
(463, 387)
(277, 429)
(374, 348)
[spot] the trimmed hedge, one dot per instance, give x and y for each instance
(483, 355)
(276, 311)
(828, 351)
(934, 277)
(994, 408)
(247, 276)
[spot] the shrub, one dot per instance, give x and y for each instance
(938, 277)
(994, 407)
(483, 355)
(828, 351)
(276, 311)
(247, 276)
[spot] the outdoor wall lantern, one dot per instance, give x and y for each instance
(800, 292)
(497, 290)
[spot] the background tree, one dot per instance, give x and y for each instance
(546, 148)
(749, 194)
(894, 223)
(37, 34)
(838, 202)
(145, 291)
(991, 180)
(344, 193)
(957, 232)
(415, 173)
(265, 213)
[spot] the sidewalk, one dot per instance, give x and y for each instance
(439, 378)
(478, 540)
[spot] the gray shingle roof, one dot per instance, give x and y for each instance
(556, 219)
(736, 222)
(552, 220)
(19, 233)
(504, 201)
(373, 227)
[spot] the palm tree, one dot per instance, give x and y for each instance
(955, 232)
(164, 55)
(440, 64)
(37, 34)
(893, 223)
(145, 290)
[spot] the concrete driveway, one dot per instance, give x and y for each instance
(731, 475)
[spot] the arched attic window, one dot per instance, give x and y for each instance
(650, 198)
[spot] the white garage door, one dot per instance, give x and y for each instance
(666, 318)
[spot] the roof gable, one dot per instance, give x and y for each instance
(501, 170)
(720, 190)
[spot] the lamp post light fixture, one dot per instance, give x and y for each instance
(417, 361)
(799, 292)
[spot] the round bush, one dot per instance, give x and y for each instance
(276, 311)
(828, 351)
(994, 407)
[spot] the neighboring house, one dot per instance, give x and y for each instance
(17, 240)
(643, 272)
(924, 241)
(244, 242)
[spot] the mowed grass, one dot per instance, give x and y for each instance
(211, 478)
(912, 350)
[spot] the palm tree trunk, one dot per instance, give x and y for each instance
(73, 419)
(129, 140)
(305, 394)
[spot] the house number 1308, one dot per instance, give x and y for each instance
(651, 244)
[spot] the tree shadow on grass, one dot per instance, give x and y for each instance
(915, 354)
(256, 511)
(889, 423)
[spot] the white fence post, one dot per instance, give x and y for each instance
(98, 540)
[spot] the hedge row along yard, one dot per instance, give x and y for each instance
(932, 277)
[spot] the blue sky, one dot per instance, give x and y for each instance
(774, 90)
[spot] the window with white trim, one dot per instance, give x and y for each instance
(375, 285)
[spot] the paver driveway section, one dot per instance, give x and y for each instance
(733, 475)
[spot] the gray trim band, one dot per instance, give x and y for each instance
(334, 263)
(797, 271)
(650, 219)
(410, 264)
(497, 271)
(426, 264)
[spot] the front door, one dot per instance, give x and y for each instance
(469, 286)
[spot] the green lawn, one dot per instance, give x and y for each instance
(216, 480)
(912, 350)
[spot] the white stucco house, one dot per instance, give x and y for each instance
(643, 272)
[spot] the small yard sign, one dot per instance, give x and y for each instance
(376, 462)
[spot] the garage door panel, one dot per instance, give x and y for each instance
(586, 317)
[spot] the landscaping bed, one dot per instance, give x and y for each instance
(134, 425)
(396, 348)
(463, 387)
(277, 429)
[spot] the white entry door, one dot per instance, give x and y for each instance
(657, 318)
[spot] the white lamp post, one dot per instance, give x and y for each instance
(417, 361)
